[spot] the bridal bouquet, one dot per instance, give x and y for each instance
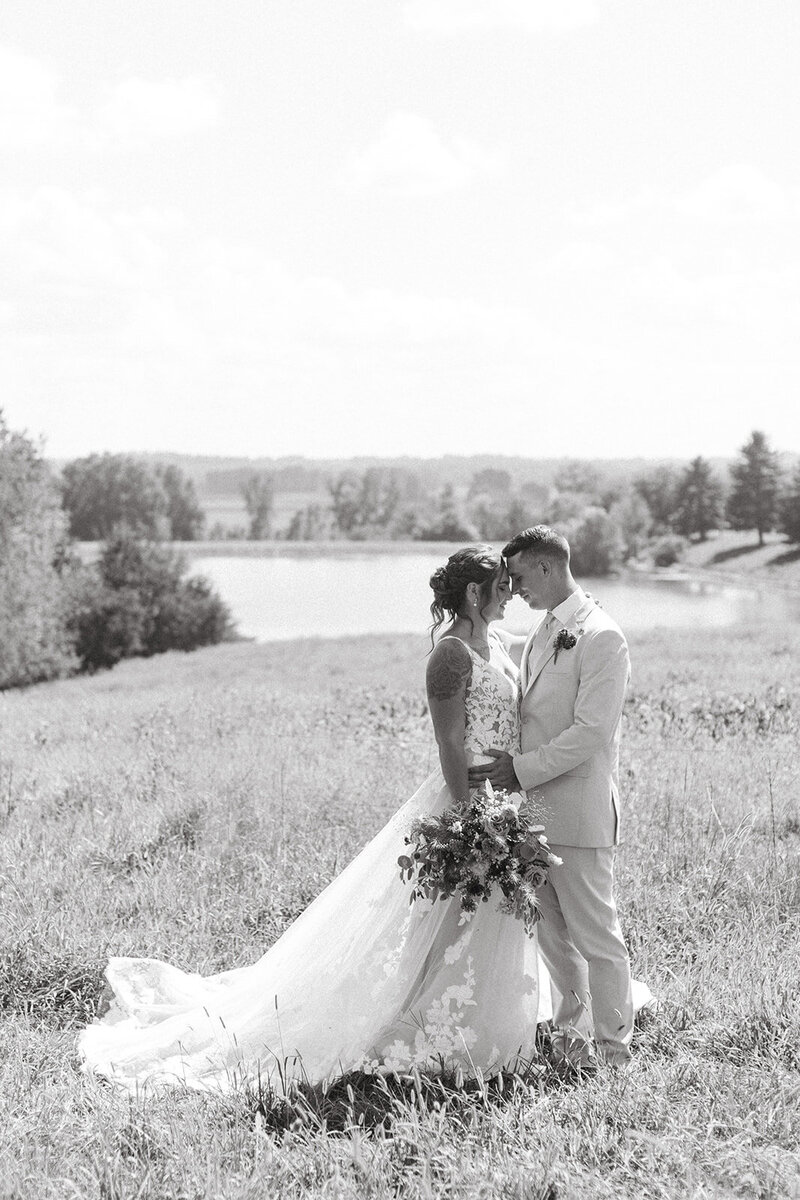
(468, 852)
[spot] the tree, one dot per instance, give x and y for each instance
(595, 543)
(448, 525)
(566, 507)
(258, 492)
(103, 492)
(34, 639)
(184, 514)
(633, 519)
(489, 482)
(699, 506)
(659, 490)
(310, 524)
(577, 476)
(789, 522)
(497, 518)
(365, 505)
(535, 496)
(345, 493)
(753, 498)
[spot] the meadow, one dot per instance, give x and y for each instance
(190, 806)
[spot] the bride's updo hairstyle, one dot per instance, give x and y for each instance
(471, 564)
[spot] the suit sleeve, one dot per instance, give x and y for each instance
(604, 675)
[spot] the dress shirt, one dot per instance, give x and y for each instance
(565, 611)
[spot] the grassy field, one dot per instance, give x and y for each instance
(190, 806)
(736, 556)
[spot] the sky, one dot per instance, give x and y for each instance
(387, 227)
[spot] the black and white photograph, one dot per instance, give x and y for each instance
(400, 600)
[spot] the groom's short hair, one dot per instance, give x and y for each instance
(539, 540)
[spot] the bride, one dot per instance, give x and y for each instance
(362, 980)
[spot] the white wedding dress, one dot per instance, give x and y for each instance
(362, 980)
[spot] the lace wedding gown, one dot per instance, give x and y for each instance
(361, 980)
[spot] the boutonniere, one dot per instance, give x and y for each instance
(565, 641)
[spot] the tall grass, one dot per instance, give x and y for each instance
(189, 807)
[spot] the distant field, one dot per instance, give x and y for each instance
(230, 512)
(190, 806)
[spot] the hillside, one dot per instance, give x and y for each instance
(729, 555)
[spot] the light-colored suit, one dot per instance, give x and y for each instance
(571, 708)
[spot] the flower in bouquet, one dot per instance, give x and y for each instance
(493, 844)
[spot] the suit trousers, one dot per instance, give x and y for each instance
(583, 948)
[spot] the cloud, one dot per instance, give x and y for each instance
(409, 158)
(735, 195)
(738, 194)
(31, 114)
(135, 112)
(140, 110)
(137, 289)
(446, 17)
(583, 258)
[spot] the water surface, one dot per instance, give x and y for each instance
(287, 595)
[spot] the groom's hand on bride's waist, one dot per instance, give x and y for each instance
(500, 773)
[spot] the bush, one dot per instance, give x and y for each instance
(136, 601)
(34, 638)
(106, 623)
(192, 615)
(668, 550)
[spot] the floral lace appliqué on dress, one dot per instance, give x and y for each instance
(492, 707)
(477, 1003)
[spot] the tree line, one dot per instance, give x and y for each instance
(60, 615)
(610, 520)
(103, 491)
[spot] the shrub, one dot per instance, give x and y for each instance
(192, 615)
(668, 550)
(136, 601)
(34, 638)
(106, 623)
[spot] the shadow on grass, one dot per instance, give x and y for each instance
(375, 1103)
(788, 556)
(734, 552)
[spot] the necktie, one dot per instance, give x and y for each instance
(541, 640)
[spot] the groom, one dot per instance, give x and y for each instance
(574, 672)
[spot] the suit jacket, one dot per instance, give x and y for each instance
(571, 709)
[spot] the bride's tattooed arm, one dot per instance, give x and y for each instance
(449, 672)
(449, 668)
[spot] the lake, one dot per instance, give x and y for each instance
(336, 592)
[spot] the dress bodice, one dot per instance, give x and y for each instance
(492, 704)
